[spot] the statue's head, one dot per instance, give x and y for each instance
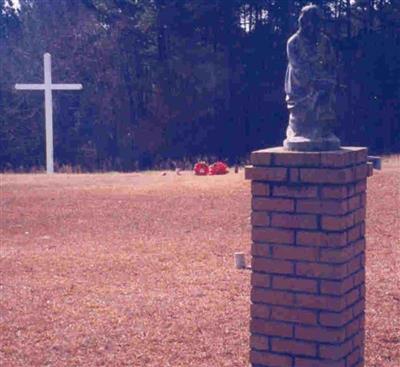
(310, 20)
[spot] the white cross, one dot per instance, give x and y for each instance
(48, 87)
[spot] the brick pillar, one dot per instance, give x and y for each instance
(308, 245)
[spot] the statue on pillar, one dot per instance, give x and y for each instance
(310, 86)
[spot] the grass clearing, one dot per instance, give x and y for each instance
(137, 269)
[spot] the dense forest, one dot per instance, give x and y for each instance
(174, 80)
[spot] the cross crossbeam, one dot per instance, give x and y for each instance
(53, 86)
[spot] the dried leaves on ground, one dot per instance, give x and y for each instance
(137, 270)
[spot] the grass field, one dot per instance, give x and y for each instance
(137, 270)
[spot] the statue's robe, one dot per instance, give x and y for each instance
(310, 86)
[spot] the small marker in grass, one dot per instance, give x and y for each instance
(240, 261)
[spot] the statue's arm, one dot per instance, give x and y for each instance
(294, 55)
(297, 60)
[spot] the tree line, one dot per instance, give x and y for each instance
(174, 80)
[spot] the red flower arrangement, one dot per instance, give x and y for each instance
(219, 168)
(201, 169)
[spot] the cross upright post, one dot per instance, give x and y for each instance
(48, 88)
(48, 100)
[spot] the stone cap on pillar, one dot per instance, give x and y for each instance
(337, 166)
(279, 156)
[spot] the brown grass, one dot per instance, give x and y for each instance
(137, 270)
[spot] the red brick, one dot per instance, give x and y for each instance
(359, 246)
(354, 233)
(352, 297)
(359, 215)
(362, 260)
(362, 154)
(260, 311)
(363, 171)
(360, 172)
(354, 357)
(363, 199)
(295, 284)
(272, 265)
(297, 159)
(336, 287)
(294, 175)
(337, 223)
(260, 280)
(334, 192)
(316, 270)
(335, 352)
(354, 203)
(300, 316)
(295, 252)
(260, 188)
(354, 327)
(359, 277)
(294, 315)
(259, 342)
(332, 207)
(273, 328)
(274, 174)
(320, 302)
(272, 297)
(273, 204)
(362, 321)
(359, 308)
(270, 360)
(351, 154)
(260, 219)
(293, 347)
(305, 362)
(362, 290)
(295, 191)
(356, 154)
(354, 265)
(336, 159)
(261, 249)
(273, 235)
(325, 175)
(321, 239)
(351, 190)
(362, 229)
(361, 186)
(359, 339)
(337, 256)
(294, 221)
(335, 319)
(319, 334)
(261, 158)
